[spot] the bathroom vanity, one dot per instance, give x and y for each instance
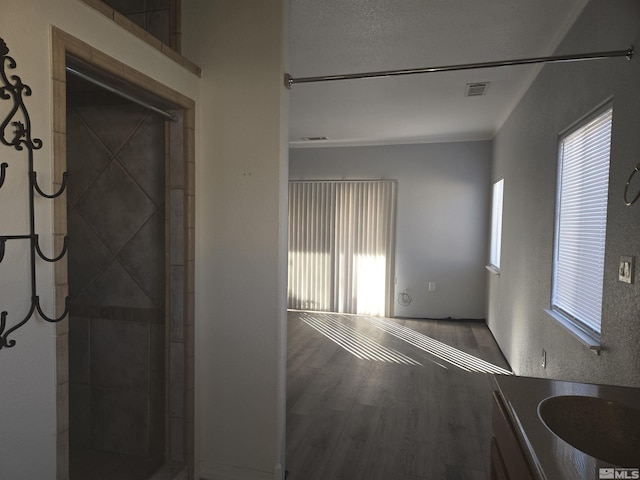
(555, 430)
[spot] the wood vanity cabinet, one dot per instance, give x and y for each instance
(508, 461)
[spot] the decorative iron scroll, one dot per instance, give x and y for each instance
(15, 131)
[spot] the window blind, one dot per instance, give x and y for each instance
(341, 244)
(581, 222)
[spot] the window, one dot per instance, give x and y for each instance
(496, 224)
(581, 221)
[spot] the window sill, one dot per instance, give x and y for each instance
(583, 337)
(492, 269)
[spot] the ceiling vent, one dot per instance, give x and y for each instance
(477, 89)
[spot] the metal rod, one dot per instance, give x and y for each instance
(628, 53)
(122, 94)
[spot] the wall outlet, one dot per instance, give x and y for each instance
(543, 359)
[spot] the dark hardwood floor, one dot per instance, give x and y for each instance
(382, 416)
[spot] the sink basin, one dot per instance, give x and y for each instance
(604, 429)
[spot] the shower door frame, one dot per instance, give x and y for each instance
(179, 256)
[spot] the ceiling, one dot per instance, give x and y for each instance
(352, 36)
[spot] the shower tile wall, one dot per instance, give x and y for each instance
(116, 218)
(152, 15)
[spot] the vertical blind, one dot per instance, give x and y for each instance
(341, 245)
(581, 222)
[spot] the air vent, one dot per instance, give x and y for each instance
(313, 139)
(476, 89)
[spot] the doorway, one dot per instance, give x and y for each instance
(125, 391)
(116, 230)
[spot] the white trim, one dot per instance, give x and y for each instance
(585, 338)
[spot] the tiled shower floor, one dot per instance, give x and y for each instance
(87, 464)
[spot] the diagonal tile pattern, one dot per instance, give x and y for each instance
(142, 166)
(146, 265)
(115, 207)
(100, 120)
(116, 202)
(116, 218)
(115, 287)
(87, 152)
(85, 267)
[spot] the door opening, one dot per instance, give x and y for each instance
(116, 229)
(125, 382)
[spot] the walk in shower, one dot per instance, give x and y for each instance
(125, 358)
(116, 227)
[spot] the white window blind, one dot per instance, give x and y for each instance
(581, 222)
(496, 223)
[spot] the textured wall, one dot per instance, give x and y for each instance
(525, 154)
(441, 224)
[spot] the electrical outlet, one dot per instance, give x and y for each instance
(543, 360)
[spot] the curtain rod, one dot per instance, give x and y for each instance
(628, 53)
(122, 94)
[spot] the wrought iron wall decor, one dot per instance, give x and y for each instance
(17, 120)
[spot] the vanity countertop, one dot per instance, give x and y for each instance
(550, 457)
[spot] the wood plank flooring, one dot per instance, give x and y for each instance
(351, 418)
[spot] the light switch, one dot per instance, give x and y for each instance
(625, 270)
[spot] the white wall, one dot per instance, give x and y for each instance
(241, 238)
(525, 153)
(444, 194)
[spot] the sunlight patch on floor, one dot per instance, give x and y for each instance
(449, 354)
(354, 342)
